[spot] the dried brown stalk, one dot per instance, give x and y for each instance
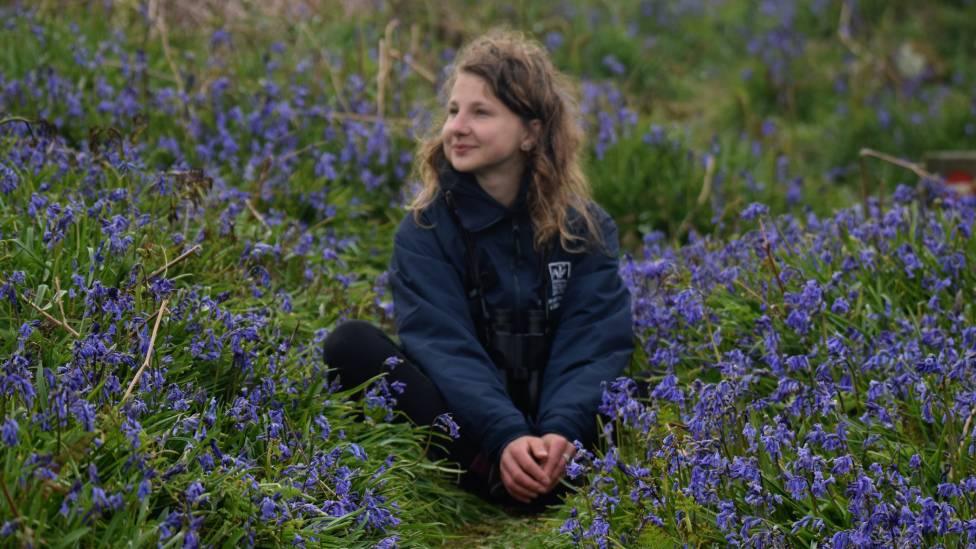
(50, 318)
(181, 257)
(256, 214)
(57, 289)
(769, 256)
(424, 72)
(915, 168)
(706, 191)
(145, 362)
(6, 495)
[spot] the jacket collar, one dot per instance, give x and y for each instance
(477, 209)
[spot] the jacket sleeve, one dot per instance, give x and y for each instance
(437, 332)
(593, 342)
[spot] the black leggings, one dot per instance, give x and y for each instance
(358, 351)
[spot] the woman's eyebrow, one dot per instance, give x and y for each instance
(475, 103)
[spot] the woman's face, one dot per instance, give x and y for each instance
(481, 135)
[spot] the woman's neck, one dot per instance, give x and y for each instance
(503, 187)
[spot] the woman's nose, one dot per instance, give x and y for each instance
(458, 124)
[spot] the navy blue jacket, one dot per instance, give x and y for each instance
(592, 339)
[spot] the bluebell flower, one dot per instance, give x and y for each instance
(269, 511)
(131, 429)
(614, 65)
(194, 492)
(754, 211)
(903, 194)
(8, 433)
(173, 471)
(840, 306)
(947, 490)
(191, 540)
(909, 260)
(445, 422)
(115, 229)
(84, 412)
(145, 488)
(171, 525)
(554, 40)
(572, 526)
(379, 396)
(9, 527)
(25, 331)
(725, 519)
(807, 521)
(598, 531)
(9, 293)
(324, 428)
(357, 451)
(206, 462)
(100, 500)
(689, 306)
(161, 287)
(376, 516)
(325, 167)
(796, 485)
(952, 263)
(669, 390)
(799, 321)
(9, 180)
(574, 469)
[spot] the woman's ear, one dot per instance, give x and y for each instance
(534, 132)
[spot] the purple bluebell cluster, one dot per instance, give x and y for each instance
(165, 297)
(810, 380)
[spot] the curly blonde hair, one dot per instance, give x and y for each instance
(521, 75)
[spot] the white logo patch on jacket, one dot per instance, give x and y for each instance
(559, 272)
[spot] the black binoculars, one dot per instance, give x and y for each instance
(530, 322)
(519, 347)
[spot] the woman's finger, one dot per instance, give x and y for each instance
(514, 489)
(528, 483)
(518, 476)
(538, 449)
(532, 469)
(511, 462)
(557, 459)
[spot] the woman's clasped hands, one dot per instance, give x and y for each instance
(532, 466)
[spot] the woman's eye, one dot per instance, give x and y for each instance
(481, 112)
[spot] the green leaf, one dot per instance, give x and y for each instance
(72, 537)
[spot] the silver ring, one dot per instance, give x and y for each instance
(566, 457)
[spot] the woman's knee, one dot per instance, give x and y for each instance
(348, 340)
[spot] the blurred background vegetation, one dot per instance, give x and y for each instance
(693, 107)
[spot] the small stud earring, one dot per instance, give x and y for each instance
(526, 147)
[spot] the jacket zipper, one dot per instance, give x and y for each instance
(518, 259)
